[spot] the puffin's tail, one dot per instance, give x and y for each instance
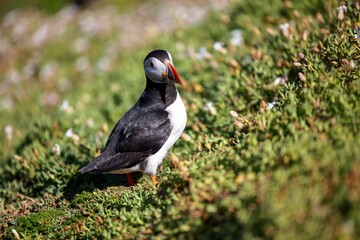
(87, 169)
(92, 166)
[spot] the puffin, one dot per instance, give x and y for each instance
(140, 140)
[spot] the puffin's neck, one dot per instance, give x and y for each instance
(164, 91)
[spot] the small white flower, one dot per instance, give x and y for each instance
(56, 149)
(271, 105)
(342, 8)
(284, 26)
(209, 106)
(64, 105)
(279, 81)
(352, 63)
(203, 54)
(285, 29)
(341, 12)
(357, 32)
(218, 46)
(236, 37)
(8, 129)
(69, 133)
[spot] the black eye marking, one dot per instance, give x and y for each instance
(152, 64)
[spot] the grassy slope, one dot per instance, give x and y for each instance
(290, 171)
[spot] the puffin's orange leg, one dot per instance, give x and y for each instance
(153, 179)
(130, 179)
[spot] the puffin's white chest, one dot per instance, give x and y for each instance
(177, 117)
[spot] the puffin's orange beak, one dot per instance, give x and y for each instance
(172, 74)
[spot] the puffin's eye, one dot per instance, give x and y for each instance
(152, 64)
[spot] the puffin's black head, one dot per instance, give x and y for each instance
(159, 67)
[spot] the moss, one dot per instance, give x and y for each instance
(42, 223)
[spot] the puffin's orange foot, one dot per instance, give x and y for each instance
(130, 179)
(153, 179)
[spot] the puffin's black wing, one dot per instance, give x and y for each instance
(139, 134)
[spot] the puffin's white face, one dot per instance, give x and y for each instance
(159, 67)
(156, 70)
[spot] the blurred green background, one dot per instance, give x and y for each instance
(50, 6)
(54, 6)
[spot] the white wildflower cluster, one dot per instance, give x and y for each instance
(236, 40)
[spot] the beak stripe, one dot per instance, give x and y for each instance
(175, 74)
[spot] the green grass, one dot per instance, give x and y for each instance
(241, 170)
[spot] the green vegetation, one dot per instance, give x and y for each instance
(271, 149)
(55, 6)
